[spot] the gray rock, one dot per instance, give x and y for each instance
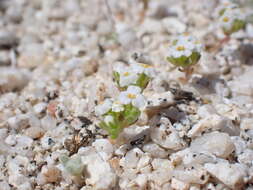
(4, 58)
(7, 39)
(4, 4)
(14, 14)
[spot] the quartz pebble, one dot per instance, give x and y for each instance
(173, 25)
(232, 174)
(56, 63)
(51, 174)
(13, 79)
(7, 39)
(215, 143)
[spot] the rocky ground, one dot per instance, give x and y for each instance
(56, 60)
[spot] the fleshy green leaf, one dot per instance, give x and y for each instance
(195, 56)
(142, 81)
(120, 120)
(116, 77)
(131, 114)
(237, 25)
(184, 61)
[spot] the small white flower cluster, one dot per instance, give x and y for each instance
(184, 51)
(184, 45)
(126, 109)
(131, 96)
(130, 75)
(232, 18)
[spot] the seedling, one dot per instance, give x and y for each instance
(137, 74)
(185, 52)
(121, 113)
(232, 19)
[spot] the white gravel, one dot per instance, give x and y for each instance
(56, 60)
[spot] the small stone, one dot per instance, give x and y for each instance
(51, 174)
(177, 184)
(104, 148)
(7, 39)
(165, 138)
(13, 79)
(11, 140)
(40, 107)
(155, 150)
(34, 132)
(17, 179)
(211, 122)
(47, 142)
(5, 186)
(48, 123)
(4, 58)
(173, 25)
(230, 174)
(32, 54)
(249, 30)
(132, 158)
(25, 186)
(141, 180)
(14, 14)
(99, 173)
(195, 175)
(215, 143)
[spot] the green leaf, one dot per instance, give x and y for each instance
(237, 25)
(194, 58)
(142, 81)
(184, 61)
(116, 77)
(222, 11)
(113, 128)
(131, 114)
(120, 120)
(174, 42)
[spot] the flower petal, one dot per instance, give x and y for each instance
(123, 99)
(117, 107)
(134, 90)
(139, 102)
(103, 108)
(127, 80)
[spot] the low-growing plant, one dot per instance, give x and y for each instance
(232, 19)
(184, 52)
(126, 109)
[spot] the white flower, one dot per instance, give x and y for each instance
(143, 68)
(185, 45)
(108, 119)
(230, 15)
(132, 95)
(117, 107)
(103, 108)
(126, 75)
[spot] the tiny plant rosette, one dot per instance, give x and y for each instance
(121, 113)
(184, 51)
(137, 74)
(232, 19)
